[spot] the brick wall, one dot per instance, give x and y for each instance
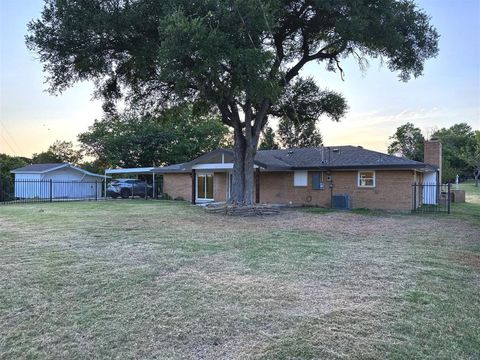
(178, 186)
(393, 190)
(432, 154)
(220, 186)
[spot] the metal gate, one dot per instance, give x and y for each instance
(431, 198)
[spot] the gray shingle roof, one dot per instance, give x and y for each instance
(175, 168)
(328, 157)
(44, 168)
(335, 157)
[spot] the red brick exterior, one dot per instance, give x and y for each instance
(178, 186)
(432, 154)
(393, 188)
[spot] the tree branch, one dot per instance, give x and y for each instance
(319, 55)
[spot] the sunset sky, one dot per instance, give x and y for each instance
(448, 93)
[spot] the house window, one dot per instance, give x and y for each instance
(317, 181)
(300, 178)
(205, 187)
(366, 179)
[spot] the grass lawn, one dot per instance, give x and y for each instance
(144, 279)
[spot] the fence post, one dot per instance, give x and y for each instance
(96, 190)
(1, 185)
(414, 196)
(51, 190)
(449, 197)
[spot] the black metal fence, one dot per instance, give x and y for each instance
(431, 198)
(29, 191)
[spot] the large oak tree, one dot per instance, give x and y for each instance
(240, 58)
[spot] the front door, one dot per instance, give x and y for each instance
(205, 187)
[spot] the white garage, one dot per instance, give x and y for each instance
(56, 181)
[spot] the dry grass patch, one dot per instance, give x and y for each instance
(136, 279)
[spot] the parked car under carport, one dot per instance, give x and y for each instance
(126, 188)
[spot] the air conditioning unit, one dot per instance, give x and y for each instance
(341, 202)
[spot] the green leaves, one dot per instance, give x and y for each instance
(458, 145)
(224, 50)
(268, 140)
(408, 141)
(304, 101)
(296, 134)
(132, 140)
(59, 152)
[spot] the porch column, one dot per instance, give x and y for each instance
(257, 185)
(194, 189)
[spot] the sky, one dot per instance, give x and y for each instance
(448, 93)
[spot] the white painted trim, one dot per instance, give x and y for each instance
(40, 172)
(197, 199)
(300, 178)
(216, 166)
(62, 166)
(143, 170)
(228, 187)
(84, 171)
(367, 186)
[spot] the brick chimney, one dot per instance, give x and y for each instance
(433, 154)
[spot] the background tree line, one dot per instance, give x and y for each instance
(177, 135)
(460, 144)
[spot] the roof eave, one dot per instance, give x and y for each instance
(359, 167)
(39, 172)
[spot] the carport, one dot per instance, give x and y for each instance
(132, 171)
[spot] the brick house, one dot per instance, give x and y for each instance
(308, 176)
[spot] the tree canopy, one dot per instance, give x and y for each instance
(455, 140)
(471, 155)
(133, 140)
(268, 141)
(59, 152)
(408, 141)
(8, 163)
(295, 134)
(239, 58)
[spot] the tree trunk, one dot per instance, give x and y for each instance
(243, 170)
(237, 192)
(244, 149)
(476, 174)
(248, 166)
